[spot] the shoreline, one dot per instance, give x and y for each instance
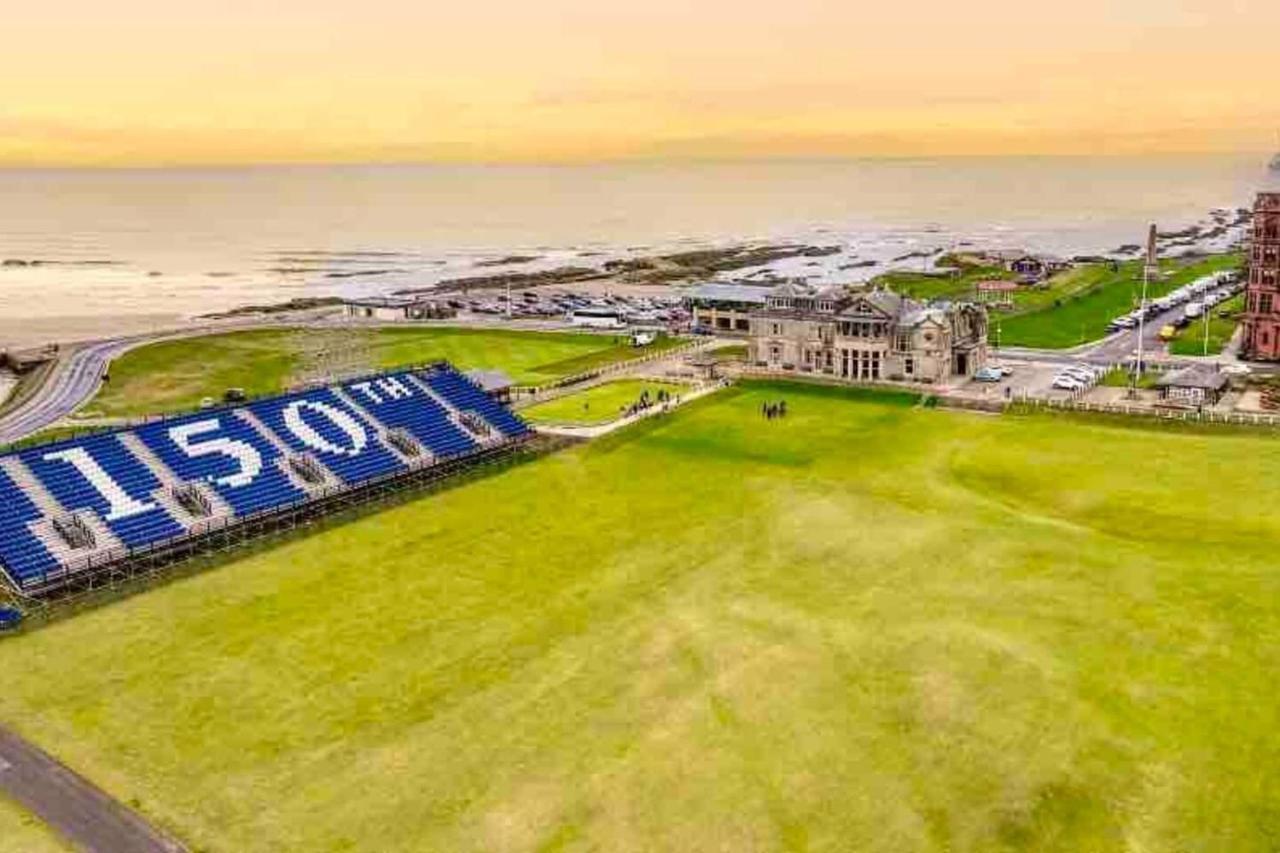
(642, 271)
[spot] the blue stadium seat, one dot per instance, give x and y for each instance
(465, 395)
(99, 473)
(319, 423)
(399, 404)
(224, 451)
(24, 557)
(130, 511)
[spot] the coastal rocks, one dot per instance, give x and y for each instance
(302, 303)
(358, 273)
(20, 262)
(508, 260)
(1191, 232)
(705, 263)
(920, 253)
(560, 275)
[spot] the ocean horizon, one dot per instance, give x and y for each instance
(184, 241)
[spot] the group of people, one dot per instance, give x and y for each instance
(663, 398)
(771, 411)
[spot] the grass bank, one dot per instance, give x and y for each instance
(1093, 296)
(958, 283)
(865, 626)
(1118, 377)
(1222, 326)
(176, 375)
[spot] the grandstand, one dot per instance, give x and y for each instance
(80, 511)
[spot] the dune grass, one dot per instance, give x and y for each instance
(175, 375)
(597, 405)
(23, 832)
(867, 626)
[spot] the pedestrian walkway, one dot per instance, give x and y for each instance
(604, 429)
(81, 812)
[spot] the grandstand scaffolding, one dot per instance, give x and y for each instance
(127, 505)
(329, 357)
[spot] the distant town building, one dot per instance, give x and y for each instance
(997, 292)
(867, 335)
(390, 308)
(725, 309)
(1028, 267)
(1261, 335)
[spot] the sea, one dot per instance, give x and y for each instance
(186, 242)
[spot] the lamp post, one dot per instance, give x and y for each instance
(1142, 310)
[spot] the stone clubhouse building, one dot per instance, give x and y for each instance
(866, 335)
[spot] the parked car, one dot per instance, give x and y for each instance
(1068, 383)
(989, 374)
(1085, 377)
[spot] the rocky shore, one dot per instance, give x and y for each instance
(662, 269)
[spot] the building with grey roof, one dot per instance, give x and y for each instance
(867, 335)
(1197, 385)
(725, 309)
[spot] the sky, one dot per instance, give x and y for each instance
(158, 82)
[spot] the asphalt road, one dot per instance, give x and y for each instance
(1123, 345)
(77, 374)
(82, 813)
(74, 379)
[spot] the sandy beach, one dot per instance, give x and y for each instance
(18, 333)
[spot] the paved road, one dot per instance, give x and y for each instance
(77, 374)
(1123, 345)
(74, 379)
(1118, 347)
(78, 810)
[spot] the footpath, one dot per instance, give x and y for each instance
(80, 811)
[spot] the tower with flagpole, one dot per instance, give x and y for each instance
(1150, 269)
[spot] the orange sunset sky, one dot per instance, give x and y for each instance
(146, 82)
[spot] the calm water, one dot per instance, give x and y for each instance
(189, 241)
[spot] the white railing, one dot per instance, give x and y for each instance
(523, 398)
(1208, 416)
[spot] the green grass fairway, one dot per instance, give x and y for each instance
(868, 626)
(1118, 377)
(176, 375)
(23, 832)
(1096, 297)
(597, 405)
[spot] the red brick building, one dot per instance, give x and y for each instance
(1262, 300)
